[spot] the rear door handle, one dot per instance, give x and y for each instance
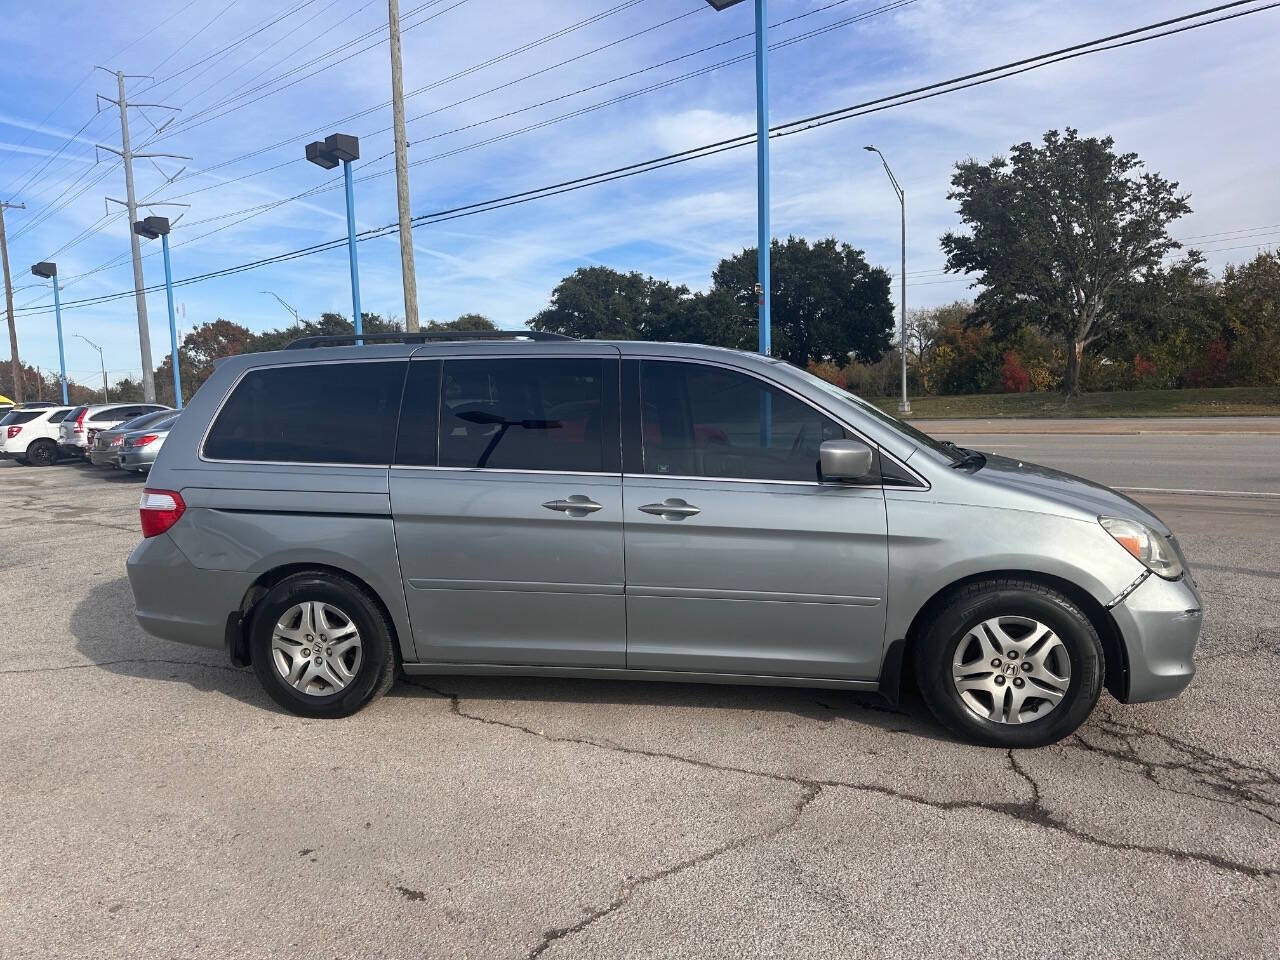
(575, 506)
(673, 508)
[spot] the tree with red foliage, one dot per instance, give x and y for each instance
(1013, 375)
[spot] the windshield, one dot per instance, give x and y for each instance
(893, 423)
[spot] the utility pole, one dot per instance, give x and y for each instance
(8, 303)
(126, 154)
(408, 272)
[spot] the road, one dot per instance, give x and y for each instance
(157, 804)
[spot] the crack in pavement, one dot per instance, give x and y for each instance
(1032, 812)
(1222, 775)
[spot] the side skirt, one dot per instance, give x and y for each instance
(610, 673)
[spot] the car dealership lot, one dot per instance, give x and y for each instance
(157, 803)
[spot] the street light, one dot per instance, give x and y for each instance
(49, 271)
(152, 227)
(762, 165)
(328, 153)
(101, 363)
(904, 405)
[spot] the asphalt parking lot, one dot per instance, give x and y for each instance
(157, 804)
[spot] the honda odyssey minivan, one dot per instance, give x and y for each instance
(535, 505)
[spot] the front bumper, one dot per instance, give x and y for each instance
(1160, 624)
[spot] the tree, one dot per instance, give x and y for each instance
(827, 301)
(600, 303)
(1251, 300)
(468, 321)
(1055, 230)
(196, 354)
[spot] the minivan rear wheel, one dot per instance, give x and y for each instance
(321, 645)
(1010, 663)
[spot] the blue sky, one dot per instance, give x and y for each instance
(1193, 106)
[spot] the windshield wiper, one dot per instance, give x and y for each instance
(964, 457)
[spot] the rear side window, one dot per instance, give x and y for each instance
(528, 414)
(311, 413)
(114, 414)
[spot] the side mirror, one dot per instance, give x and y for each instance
(845, 460)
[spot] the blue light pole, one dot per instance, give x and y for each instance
(763, 237)
(49, 271)
(328, 153)
(151, 228)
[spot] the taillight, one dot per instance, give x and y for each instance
(116, 441)
(80, 420)
(14, 431)
(159, 510)
(145, 439)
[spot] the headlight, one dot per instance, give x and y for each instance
(1153, 550)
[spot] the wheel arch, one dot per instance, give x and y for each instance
(237, 638)
(898, 671)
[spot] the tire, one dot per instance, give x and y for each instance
(371, 664)
(42, 453)
(994, 634)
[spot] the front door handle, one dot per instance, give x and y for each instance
(575, 506)
(673, 508)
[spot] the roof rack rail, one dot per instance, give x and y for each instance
(422, 336)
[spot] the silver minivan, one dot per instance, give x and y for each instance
(530, 504)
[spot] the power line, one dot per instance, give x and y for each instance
(792, 127)
(886, 8)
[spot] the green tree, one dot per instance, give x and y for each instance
(827, 301)
(1055, 231)
(468, 321)
(600, 303)
(1251, 301)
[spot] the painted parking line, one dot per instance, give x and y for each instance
(1252, 494)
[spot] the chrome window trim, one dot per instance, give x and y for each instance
(541, 473)
(291, 463)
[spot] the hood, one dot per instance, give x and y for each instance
(1065, 489)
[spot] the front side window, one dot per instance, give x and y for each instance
(311, 413)
(704, 421)
(525, 414)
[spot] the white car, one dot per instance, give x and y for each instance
(30, 435)
(76, 432)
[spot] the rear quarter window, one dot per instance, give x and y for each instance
(19, 416)
(311, 413)
(59, 415)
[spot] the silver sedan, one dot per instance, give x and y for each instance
(139, 448)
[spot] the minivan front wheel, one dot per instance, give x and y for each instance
(1010, 663)
(321, 645)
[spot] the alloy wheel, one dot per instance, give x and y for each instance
(316, 648)
(1011, 669)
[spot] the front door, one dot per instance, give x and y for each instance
(739, 561)
(507, 498)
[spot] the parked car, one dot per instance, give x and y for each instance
(105, 449)
(77, 432)
(140, 447)
(30, 434)
(466, 507)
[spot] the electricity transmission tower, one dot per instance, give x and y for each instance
(127, 155)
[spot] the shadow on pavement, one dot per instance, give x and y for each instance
(106, 633)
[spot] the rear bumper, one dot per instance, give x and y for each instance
(104, 458)
(1160, 623)
(134, 460)
(178, 601)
